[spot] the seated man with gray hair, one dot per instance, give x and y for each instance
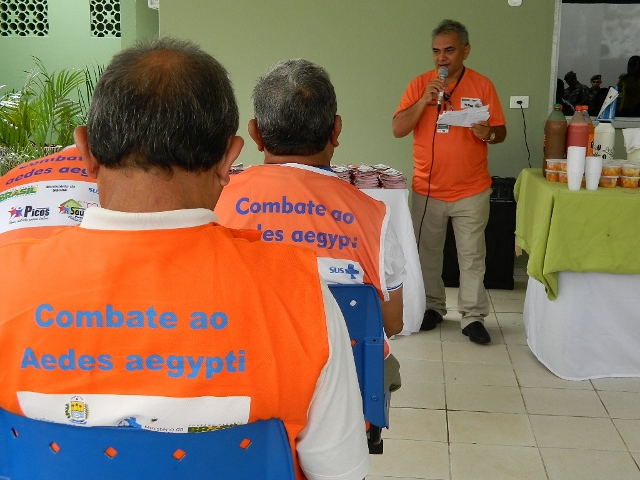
(296, 198)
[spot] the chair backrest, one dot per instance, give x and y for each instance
(34, 449)
(361, 310)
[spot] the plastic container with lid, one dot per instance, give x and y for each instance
(608, 181)
(629, 182)
(552, 175)
(630, 169)
(563, 165)
(611, 168)
(553, 164)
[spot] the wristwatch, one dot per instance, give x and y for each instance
(491, 137)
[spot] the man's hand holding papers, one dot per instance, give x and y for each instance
(465, 117)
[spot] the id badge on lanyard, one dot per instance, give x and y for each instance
(442, 128)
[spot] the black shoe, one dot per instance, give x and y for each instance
(477, 333)
(430, 320)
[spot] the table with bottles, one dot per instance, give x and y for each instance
(582, 307)
(598, 138)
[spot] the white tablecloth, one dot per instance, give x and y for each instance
(591, 330)
(413, 295)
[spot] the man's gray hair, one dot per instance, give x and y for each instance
(451, 26)
(294, 105)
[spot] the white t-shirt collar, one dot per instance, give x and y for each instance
(97, 218)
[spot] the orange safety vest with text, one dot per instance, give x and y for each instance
(40, 196)
(176, 330)
(304, 206)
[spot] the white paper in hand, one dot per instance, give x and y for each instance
(465, 117)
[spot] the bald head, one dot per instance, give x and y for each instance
(163, 104)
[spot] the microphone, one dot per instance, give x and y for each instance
(443, 72)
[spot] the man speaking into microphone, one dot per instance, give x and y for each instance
(450, 175)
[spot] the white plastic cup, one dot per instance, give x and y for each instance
(575, 166)
(576, 158)
(575, 150)
(593, 164)
(592, 171)
(574, 180)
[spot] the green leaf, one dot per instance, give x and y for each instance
(46, 110)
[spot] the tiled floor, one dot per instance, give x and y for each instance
(471, 412)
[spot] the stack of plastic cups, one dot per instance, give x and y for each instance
(592, 171)
(575, 166)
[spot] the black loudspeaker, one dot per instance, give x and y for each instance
(499, 237)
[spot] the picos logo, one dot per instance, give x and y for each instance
(77, 411)
(28, 212)
(73, 209)
(350, 270)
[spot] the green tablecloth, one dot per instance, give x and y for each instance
(580, 231)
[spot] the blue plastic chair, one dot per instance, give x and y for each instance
(361, 310)
(33, 449)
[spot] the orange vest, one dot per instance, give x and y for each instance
(182, 315)
(40, 196)
(306, 207)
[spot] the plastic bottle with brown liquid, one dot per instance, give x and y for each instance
(555, 136)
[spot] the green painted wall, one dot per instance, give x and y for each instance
(372, 48)
(139, 22)
(69, 43)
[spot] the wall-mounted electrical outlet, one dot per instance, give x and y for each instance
(514, 102)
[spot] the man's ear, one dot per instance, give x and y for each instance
(90, 163)
(253, 133)
(335, 132)
(234, 147)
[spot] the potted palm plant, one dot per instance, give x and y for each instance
(39, 119)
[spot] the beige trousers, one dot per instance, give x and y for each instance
(392, 379)
(469, 217)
